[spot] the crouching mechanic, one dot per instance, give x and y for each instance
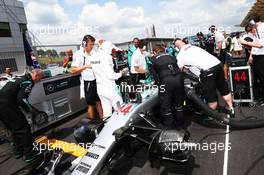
(13, 96)
(210, 71)
(171, 87)
(102, 65)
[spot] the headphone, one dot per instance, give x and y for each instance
(85, 40)
(84, 44)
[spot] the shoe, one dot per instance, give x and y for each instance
(222, 109)
(232, 113)
(260, 102)
(33, 155)
(18, 154)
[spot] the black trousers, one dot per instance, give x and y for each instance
(258, 70)
(171, 95)
(15, 121)
(222, 56)
(90, 90)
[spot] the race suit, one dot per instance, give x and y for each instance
(102, 65)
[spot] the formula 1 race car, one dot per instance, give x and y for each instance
(139, 120)
(133, 121)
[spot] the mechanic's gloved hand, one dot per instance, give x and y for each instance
(124, 71)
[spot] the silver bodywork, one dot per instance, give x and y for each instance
(97, 154)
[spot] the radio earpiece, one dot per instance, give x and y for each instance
(84, 44)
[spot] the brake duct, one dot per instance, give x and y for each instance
(234, 123)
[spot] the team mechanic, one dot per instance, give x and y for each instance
(81, 64)
(102, 65)
(13, 96)
(210, 71)
(257, 52)
(171, 87)
(138, 65)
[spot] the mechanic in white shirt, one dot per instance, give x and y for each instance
(219, 43)
(81, 64)
(237, 45)
(138, 64)
(210, 71)
(248, 36)
(102, 65)
(257, 52)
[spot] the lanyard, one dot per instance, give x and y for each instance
(84, 58)
(257, 33)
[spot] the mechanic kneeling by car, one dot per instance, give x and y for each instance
(13, 96)
(171, 88)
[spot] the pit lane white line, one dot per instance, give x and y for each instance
(226, 151)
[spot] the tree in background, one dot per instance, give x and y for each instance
(41, 53)
(48, 53)
(54, 53)
(62, 54)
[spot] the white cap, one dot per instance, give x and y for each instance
(99, 41)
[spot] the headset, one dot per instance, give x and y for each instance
(85, 40)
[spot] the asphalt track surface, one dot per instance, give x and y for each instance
(244, 157)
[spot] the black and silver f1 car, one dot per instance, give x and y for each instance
(140, 120)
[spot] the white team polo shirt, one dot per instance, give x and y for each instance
(197, 58)
(237, 44)
(219, 37)
(138, 59)
(259, 39)
(80, 58)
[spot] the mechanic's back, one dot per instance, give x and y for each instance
(11, 91)
(171, 89)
